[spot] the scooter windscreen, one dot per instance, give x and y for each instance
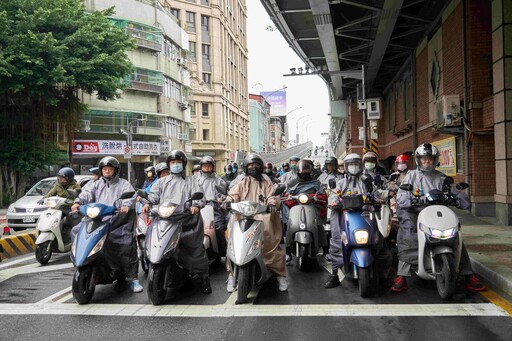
(89, 241)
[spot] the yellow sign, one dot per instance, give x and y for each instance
(447, 156)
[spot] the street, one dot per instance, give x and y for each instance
(34, 297)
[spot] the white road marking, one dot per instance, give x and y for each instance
(249, 310)
(55, 297)
(18, 260)
(30, 269)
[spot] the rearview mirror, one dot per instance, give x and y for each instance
(143, 194)
(279, 190)
(406, 187)
(127, 195)
(197, 196)
(462, 185)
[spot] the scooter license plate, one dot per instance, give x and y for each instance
(29, 219)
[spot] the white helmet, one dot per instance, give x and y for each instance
(353, 164)
(423, 150)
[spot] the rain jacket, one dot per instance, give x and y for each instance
(62, 191)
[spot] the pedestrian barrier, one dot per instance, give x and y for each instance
(19, 244)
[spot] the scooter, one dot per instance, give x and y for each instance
(245, 243)
(210, 235)
(163, 247)
(304, 228)
(87, 251)
(439, 237)
(360, 237)
(142, 224)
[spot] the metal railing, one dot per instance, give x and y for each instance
(277, 158)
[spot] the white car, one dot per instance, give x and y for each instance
(24, 212)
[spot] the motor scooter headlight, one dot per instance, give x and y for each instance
(446, 234)
(98, 246)
(248, 210)
(166, 211)
(361, 236)
(303, 199)
(51, 203)
(92, 212)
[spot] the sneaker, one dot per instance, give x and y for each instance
(231, 287)
(332, 282)
(474, 284)
(135, 286)
(283, 283)
(288, 259)
(399, 284)
(206, 288)
(327, 257)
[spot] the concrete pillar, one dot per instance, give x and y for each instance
(502, 84)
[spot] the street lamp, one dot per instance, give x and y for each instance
(304, 125)
(129, 143)
(297, 127)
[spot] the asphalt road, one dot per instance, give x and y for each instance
(36, 303)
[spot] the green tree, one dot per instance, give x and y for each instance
(50, 50)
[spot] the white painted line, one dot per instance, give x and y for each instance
(46, 268)
(18, 260)
(248, 310)
(52, 298)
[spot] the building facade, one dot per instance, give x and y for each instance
(259, 114)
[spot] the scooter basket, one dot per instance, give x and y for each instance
(353, 201)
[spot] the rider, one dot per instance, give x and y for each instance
(229, 174)
(268, 170)
(195, 169)
(252, 187)
(352, 183)
(150, 176)
(162, 170)
(285, 168)
(317, 169)
(95, 177)
(122, 250)
(176, 189)
(290, 178)
(395, 180)
(425, 178)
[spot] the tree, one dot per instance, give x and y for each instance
(50, 50)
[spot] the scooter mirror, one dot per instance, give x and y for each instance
(127, 195)
(197, 196)
(448, 181)
(462, 185)
(221, 189)
(393, 177)
(406, 187)
(143, 194)
(279, 190)
(332, 183)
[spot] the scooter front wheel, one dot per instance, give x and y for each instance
(446, 279)
(44, 252)
(83, 285)
(304, 260)
(144, 263)
(156, 284)
(363, 275)
(244, 285)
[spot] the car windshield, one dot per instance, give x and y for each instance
(42, 187)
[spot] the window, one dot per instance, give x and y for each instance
(405, 95)
(206, 51)
(205, 109)
(192, 109)
(204, 22)
(171, 50)
(207, 78)
(191, 21)
(175, 12)
(192, 49)
(205, 2)
(206, 135)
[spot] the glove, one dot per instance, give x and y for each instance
(272, 208)
(40, 201)
(226, 205)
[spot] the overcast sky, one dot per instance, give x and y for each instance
(270, 57)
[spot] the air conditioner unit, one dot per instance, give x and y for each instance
(373, 109)
(85, 125)
(450, 107)
(182, 136)
(179, 61)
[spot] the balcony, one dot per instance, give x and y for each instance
(109, 122)
(144, 80)
(146, 36)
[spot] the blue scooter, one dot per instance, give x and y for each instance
(88, 248)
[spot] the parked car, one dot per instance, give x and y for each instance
(24, 212)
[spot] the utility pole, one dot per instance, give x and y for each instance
(365, 138)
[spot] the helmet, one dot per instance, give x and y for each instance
(150, 171)
(332, 161)
(371, 156)
(402, 158)
(268, 168)
(316, 165)
(207, 159)
(285, 165)
(67, 173)
(234, 165)
(294, 158)
(424, 150)
(305, 170)
(227, 168)
(253, 158)
(161, 167)
(354, 160)
(94, 170)
(109, 161)
(197, 167)
(177, 155)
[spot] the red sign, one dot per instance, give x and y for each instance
(86, 147)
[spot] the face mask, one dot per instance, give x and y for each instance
(235, 170)
(293, 167)
(177, 168)
(369, 165)
(353, 169)
(401, 167)
(254, 172)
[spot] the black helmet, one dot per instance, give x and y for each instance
(305, 170)
(333, 161)
(67, 173)
(294, 158)
(207, 159)
(268, 168)
(177, 155)
(228, 167)
(234, 165)
(94, 170)
(161, 167)
(109, 161)
(285, 165)
(253, 158)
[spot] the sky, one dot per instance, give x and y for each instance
(270, 57)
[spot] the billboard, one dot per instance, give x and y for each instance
(447, 156)
(277, 101)
(114, 147)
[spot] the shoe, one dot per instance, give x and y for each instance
(283, 283)
(206, 288)
(474, 284)
(399, 284)
(135, 286)
(327, 257)
(231, 287)
(288, 259)
(332, 282)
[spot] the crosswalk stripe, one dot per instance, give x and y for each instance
(249, 310)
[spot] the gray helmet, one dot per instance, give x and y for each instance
(161, 167)
(67, 173)
(294, 158)
(253, 158)
(94, 170)
(207, 159)
(332, 160)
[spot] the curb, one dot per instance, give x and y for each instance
(18, 244)
(498, 281)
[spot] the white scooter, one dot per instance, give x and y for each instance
(51, 225)
(245, 244)
(439, 238)
(210, 237)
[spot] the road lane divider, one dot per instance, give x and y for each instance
(18, 244)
